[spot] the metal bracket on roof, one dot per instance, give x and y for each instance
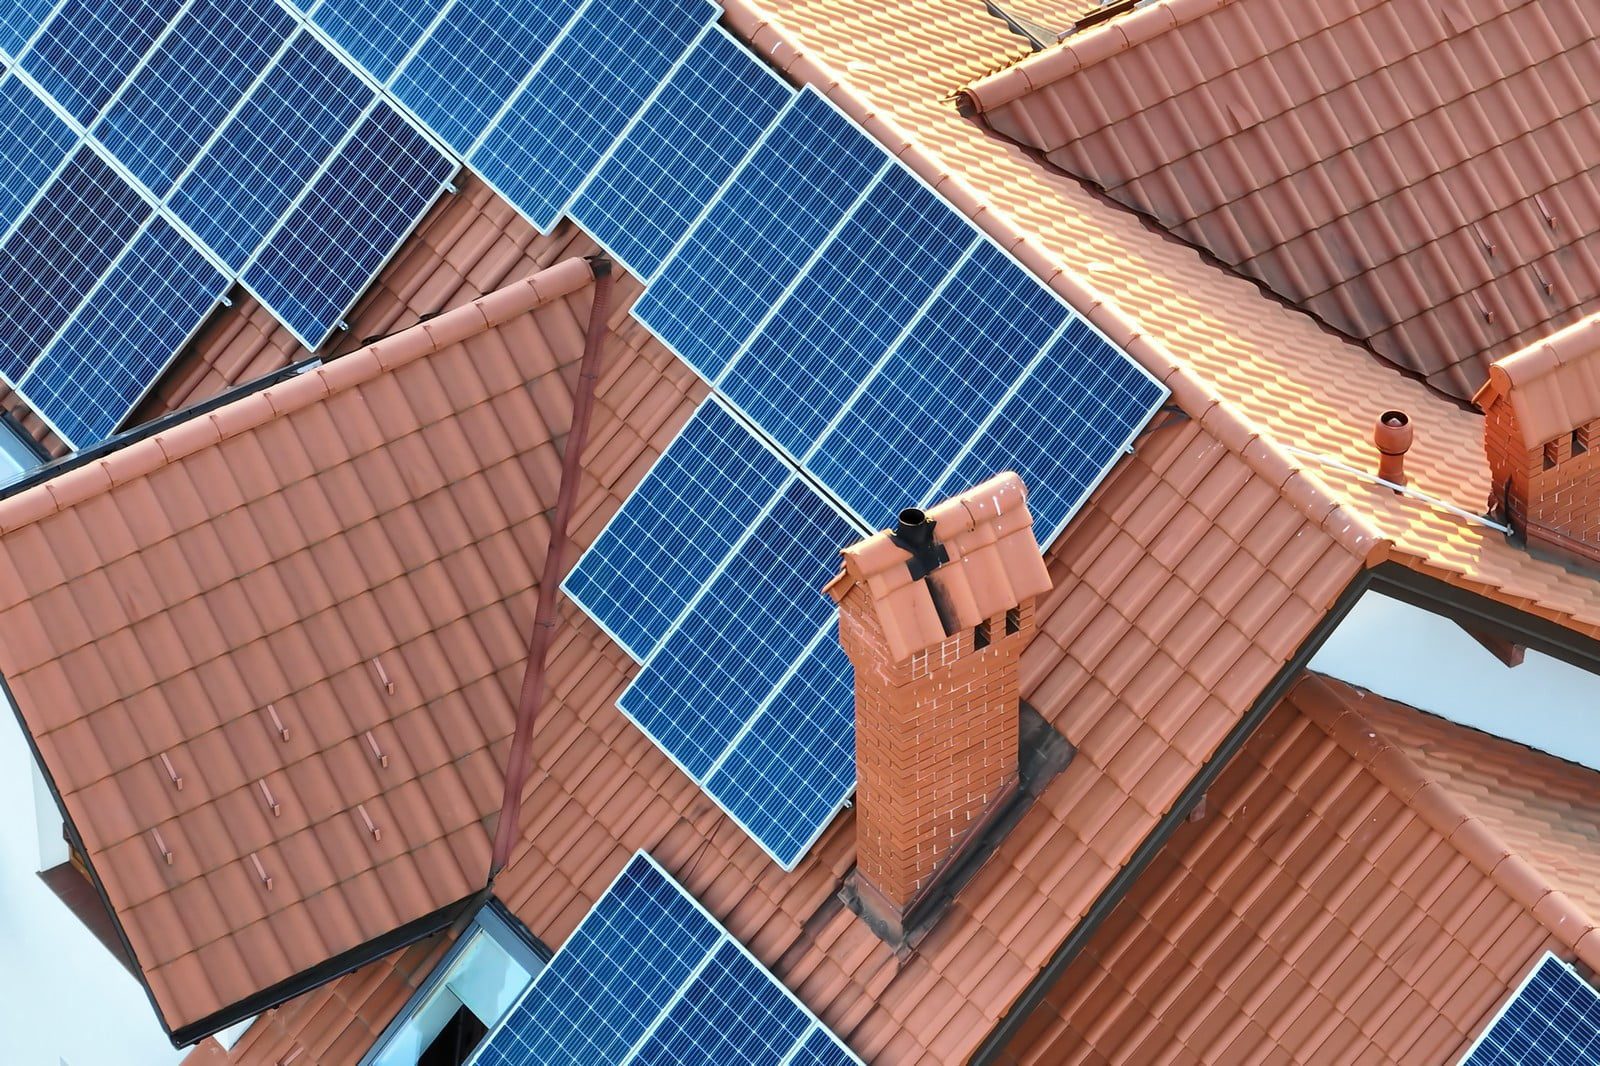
(261, 871)
(266, 794)
(366, 819)
(161, 846)
(277, 723)
(383, 677)
(377, 753)
(344, 327)
(172, 774)
(450, 187)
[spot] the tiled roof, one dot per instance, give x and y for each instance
(1367, 884)
(349, 554)
(1418, 174)
(1553, 385)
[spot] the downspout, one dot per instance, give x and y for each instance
(544, 619)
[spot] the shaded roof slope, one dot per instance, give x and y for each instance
(1417, 174)
(1342, 900)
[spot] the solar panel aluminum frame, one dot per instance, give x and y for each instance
(1516, 994)
(724, 938)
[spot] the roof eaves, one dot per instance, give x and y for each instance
(1304, 489)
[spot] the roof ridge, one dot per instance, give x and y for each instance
(144, 457)
(1302, 488)
(1080, 50)
(1320, 700)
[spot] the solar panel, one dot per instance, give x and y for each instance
(20, 20)
(1553, 1017)
(190, 84)
(580, 96)
(917, 413)
(272, 147)
(472, 62)
(735, 643)
(58, 250)
(643, 198)
(649, 977)
(675, 528)
(34, 141)
(378, 34)
(89, 47)
(847, 311)
(752, 243)
(142, 312)
(354, 215)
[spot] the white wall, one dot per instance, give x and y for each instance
(1409, 655)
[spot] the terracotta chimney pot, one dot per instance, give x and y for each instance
(1392, 435)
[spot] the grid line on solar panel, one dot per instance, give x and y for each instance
(738, 639)
(270, 150)
(191, 82)
(821, 1048)
(141, 312)
(333, 241)
(851, 307)
(89, 48)
(472, 61)
(1070, 417)
(921, 406)
(79, 224)
(34, 143)
(675, 528)
(1552, 1017)
(378, 34)
(771, 217)
(731, 1012)
(585, 89)
(666, 167)
(20, 22)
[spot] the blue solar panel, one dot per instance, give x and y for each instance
(378, 34)
(128, 329)
(918, 412)
(775, 212)
(583, 93)
(1071, 417)
(795, 767)
(1553, 1018)
(861, 292)
(270, 149)
(19, 20)
(33, 142)
(89, 47)
(648, 976)
(643, 198)
(473, 61)
(675, 527)
(192, 81)
(351, 220)
(78, 226)
(733, 646)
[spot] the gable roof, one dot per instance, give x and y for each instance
(1367, 883)
(1416, 174)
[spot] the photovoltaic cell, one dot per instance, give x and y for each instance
(918, 412)
(835, 326)
(644, 197)
(1069, 419)
(193, 79)
(377, 33)
(473, 61)
(1553, 1018)
(89, 47)
(776, 211)
(712, 481)
(270, 149)
(19, 19)
(78, 226)
(351, 220)
(153, 299)
(33, 142)
(649, 977)
(584, 92)
(733, 646)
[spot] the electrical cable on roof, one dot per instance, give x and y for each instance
(1422, 497)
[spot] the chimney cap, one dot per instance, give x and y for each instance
(1553, 385)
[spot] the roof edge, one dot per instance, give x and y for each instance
(1319, 698)
(209, 428)
(1081, 50)
(1264, 456)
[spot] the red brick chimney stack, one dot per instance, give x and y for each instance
(1541, 428)
(934, 616)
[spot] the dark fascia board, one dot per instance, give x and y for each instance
(1388, 578)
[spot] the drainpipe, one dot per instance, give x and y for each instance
(544, 619)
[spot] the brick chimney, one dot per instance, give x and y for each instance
(1541, 411)
(934, 616)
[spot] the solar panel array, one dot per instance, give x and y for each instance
(1552, 1018)
(649, 977)
(159, 151)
